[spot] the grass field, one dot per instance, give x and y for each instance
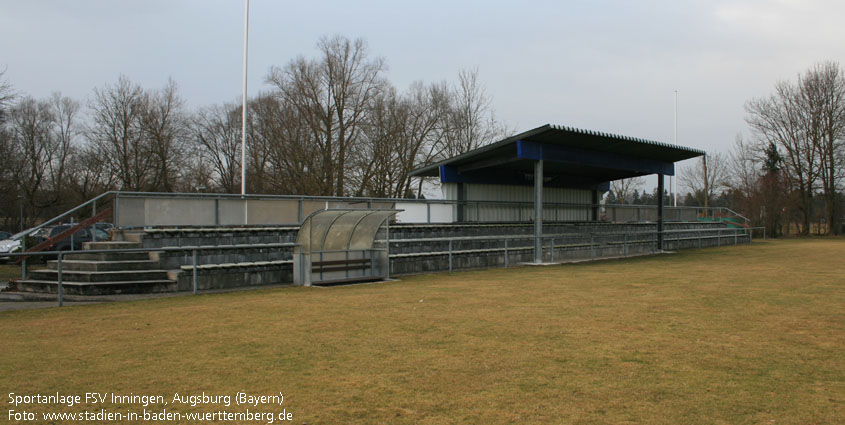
(737, 335)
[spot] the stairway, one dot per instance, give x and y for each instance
(102, 273)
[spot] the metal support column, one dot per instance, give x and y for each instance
(660, 212)
(538, 211)
(461, 203)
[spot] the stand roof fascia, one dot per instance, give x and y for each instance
(574, 158)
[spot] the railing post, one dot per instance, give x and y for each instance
(387, 233)
(553, 250)
(450, 256)
(72, 234)
(625, 246)
(216, 211)
(59, 279)
(591, 245)
(93, 226)
(764, 233)
(195, 257)
(719, 237)
(23, 263)
(427, 212)
(116, 210)
(506, 252)
(736, 236)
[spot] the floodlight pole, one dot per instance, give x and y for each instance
(243, 106)
(243, 114)
(672, 182)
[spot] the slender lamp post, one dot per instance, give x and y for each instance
(243, 112)
(675, 188)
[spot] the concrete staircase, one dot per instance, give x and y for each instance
(102, 273)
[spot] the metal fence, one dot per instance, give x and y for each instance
(141, 209)
(553, 245)
(589, 241)
(193, 249)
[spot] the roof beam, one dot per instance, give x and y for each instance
(492, 162)
(527, 149)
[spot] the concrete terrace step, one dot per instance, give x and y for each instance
(108, 256)
(97, 288)
(110, 245)
(103, 266)
(99, 276)
(189, 267)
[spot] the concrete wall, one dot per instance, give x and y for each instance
(508, 194)
(425, 248)
(237, 277)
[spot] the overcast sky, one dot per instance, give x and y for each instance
(611, 66)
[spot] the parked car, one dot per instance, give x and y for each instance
(106, 227)
(75, 242)
(11, 244)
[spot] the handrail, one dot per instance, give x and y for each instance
(359, 199)
(563, 235)
(736, 214)
(50, 242)
(354, 200)
(91, 201)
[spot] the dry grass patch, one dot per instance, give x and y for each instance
(748, 334)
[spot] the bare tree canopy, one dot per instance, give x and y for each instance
(331, 124)
(333, 93)
(806, 120)
(625, 189)
(707, 178)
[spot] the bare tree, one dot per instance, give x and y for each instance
(116, 129)
(471, 121)
(165, 127)
(8, 186)
(403, 133)
(807, 121)
(6, 95)
(87, 176)
(217, 131)
(41, 134)
(706, 178)
(624, 189)
(333, 95)
(744, 171)
(823, 90)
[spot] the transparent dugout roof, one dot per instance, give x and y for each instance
(341, 229)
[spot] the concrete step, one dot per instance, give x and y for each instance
(110, 245)
(97, 288)
(93, 276)
(128, 236)
(104, 266)
(108, 256)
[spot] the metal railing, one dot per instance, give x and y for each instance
(193, 249)
(193, 209)
(587, 239)
(628, 239)
(212, 209)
